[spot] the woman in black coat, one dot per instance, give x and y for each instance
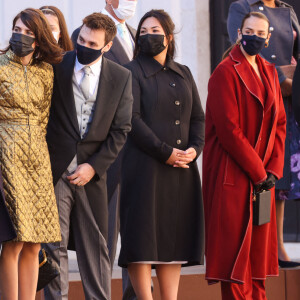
(161, 198)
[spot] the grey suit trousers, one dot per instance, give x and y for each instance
(91, 246)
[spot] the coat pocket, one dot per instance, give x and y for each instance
(229, 174)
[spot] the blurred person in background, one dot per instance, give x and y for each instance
(58, 26)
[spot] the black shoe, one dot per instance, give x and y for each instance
(288, 264)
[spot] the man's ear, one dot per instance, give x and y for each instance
(107, 47)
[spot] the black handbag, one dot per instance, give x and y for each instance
(48, 269)
(261, 208)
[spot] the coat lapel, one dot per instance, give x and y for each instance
(105, 87)
(242, 67)
(270, 86)
(64, 73)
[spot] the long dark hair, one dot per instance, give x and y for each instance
(247, 16)
(46, 48)
(64, 41)
(166, 23)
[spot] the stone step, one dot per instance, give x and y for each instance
(193, 287)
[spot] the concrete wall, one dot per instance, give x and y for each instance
(190, 17)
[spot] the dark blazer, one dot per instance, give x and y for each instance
(7, 231)
(296, 93)
(106, 136)
(282, 20)
(118, 55)
(117, 52)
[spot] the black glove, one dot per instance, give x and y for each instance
(269, 182)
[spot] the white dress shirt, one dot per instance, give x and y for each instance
(94, 76)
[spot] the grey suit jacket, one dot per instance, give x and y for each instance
(282, 22)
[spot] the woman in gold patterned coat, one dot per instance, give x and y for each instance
(26, 82)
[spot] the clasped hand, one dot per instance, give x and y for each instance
(181, 158)
(83, 174)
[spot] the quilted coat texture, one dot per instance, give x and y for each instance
(25, 95)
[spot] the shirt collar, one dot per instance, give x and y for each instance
(95, 68)
(151, 66)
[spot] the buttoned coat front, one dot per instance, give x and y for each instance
(161, 206)
(231, 166)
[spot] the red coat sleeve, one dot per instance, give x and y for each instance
(276, 162)
(223, 107)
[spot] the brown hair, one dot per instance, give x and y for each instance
(64, 41)
(46, 47)
(247, 16)
(98, 21)
(166, 23)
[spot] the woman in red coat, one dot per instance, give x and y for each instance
(244, 150)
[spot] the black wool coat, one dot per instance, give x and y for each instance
(161, 206)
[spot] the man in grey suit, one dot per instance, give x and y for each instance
(121, 52)
(89, 119)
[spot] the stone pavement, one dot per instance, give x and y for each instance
(293, 249)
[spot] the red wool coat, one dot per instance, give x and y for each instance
(235, 113)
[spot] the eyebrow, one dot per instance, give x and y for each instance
(151, 27)
(253, 29)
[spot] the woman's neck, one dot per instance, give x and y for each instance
(269, 3)
(26, 59)
(251, 58)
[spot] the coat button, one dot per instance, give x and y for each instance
(178, 142)
(261, 8)
(172, 84)
(165, 68)
(273, 56)
(177, 122)
(271, 28)
(177, 102)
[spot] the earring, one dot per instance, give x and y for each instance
(266, 44)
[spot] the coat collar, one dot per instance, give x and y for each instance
(242, 67)
(151, 66)
(16, 59)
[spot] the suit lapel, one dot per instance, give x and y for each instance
(64, 74)
(132, 31)
(105, 90)
(270, 85)
(117, 53)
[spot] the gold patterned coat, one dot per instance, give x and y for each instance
(25, 95)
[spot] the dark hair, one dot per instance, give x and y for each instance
(247, 16)
(166, 23)
(64, 41)
(46, 47)
(98, 21)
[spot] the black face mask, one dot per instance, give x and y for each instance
(151, 44)
(252, 44)
(21, 44)
(87, 55)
